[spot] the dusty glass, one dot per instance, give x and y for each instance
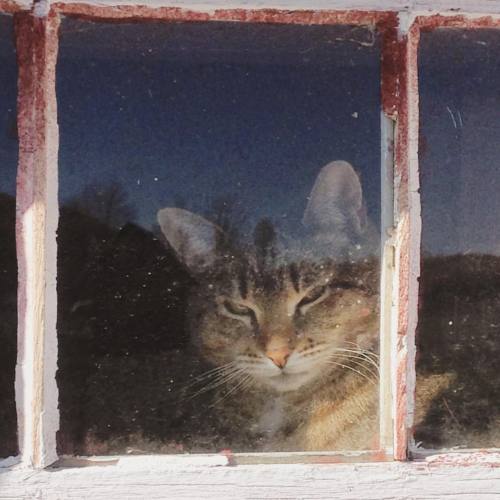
(459, 329)
(8, 265)
(219, 237)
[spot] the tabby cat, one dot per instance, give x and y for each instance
(291, 330)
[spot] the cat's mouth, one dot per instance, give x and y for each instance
(285, 380)
(288, 374)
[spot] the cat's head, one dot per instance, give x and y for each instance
(284, 316)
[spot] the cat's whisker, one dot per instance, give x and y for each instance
(239, 385)
(213, 372)
(223, 379)
(354, 344)
(218, 368)
(365, 362)
(359, 348)
(354, 370)
(360, 354)
(362, 362)
(372, 358)
(316, 357)
(359, 362)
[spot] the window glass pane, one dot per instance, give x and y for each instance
(218, 273)
(8, 265)
(459, 328)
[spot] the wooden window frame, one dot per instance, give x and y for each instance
(400, 23)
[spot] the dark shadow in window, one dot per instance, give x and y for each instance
(8, 264)
(459, 328)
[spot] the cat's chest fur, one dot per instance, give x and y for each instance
(272, 418)
(336, 414)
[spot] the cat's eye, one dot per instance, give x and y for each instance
(237, 308)
(314, 296)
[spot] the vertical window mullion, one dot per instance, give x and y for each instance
(36, 225)
(407, 241)
(389, 85)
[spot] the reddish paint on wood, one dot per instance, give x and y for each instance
(401, 144)
(469, 459)
(390, 67)
(429, 23)
(405, 152)
(9, 7)
(128, 13)
(400, 396)
(36, 45)
(397, 55)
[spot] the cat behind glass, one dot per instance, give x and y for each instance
(288, 325)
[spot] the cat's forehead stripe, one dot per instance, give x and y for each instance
(243, 284)
(294, 277)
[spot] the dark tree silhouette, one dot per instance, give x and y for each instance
(8, 324)
(107, 203)
(228, 213)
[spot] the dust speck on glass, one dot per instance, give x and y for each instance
(8, 266)
(459, 327)
(219, 237)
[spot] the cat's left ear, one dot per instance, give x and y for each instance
(336, 201)
(193, 238)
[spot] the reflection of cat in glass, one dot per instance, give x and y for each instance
(291, 333)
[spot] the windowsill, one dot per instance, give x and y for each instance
(473, 457)
(211, 476)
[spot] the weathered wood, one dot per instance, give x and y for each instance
(420, 6)
(408, 228)
(166, 477)
(150, 477)
(36, 225)
(13, 6)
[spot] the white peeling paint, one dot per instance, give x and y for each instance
(415, 222)
(22, 4)
(388, 308)
(412, 7)
(406, 19)
(9, 462)
(37, 218)
(170, 462)
(383, 481)
(211, 5)
(464, 458)
(41, 8)
(26, 351)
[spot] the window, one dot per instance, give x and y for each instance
(238, 130)
(458, 336)
(110, 208)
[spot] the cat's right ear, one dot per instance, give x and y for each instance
(193, 238)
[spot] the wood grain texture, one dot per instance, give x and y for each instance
(36, 225)
(154, 11)
(151, 479)
(408, 228)
(446, 6)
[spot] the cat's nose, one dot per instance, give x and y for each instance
(279, 356)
